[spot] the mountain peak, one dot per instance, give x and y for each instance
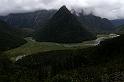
(64, 9)
(63, 27)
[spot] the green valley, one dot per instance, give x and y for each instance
(33, 47)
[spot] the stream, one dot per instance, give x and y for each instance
(85, 43)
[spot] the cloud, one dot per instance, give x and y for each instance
(111, 9)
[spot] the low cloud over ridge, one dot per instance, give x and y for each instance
(111, 9)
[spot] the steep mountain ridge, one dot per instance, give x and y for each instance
(96, 24)
(28, 20)
(37, 19)
(63, 27)
(117, 22)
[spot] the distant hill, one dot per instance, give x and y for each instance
(117, 22)
(96, 24)
(120, 29)
(63, 27)
(9, 37)
(37, 19)
(28, 20)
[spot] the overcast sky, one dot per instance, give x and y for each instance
(111, 9)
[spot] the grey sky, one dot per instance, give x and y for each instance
(111, 9)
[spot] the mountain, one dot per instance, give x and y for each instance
(63, 27)
(95, 24)
(120, 29)
(9, 37)
(117, 22)
(37, 19)
(28, 20)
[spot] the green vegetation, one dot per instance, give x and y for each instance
(120, 29)
(96, 24)
(9, 37)
(33, 47)
(94, 64)
(99, 60)
(63, 27)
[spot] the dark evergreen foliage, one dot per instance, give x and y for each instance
(119, 29)
(102, 63)
(67, 65)
(96, 24)
(95, 64)
(33, 20)
(38, 19)
(117, 22)
(9, 37)
(63, 27)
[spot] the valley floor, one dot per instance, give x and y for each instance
(33, 47)
(52, 62)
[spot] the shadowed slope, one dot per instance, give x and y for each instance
(9, 37)
(63, 27)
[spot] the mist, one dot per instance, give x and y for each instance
(111, 9)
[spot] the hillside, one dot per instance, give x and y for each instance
(37, 19)
(63, 48)
(63, 27)
(28, 20)
(117, 22)
(103, 62)
(96, 24)
(120, 29)
(9, 37)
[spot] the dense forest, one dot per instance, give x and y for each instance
(60, 47)
(94, 64)
(9, 37)
(63, 27)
